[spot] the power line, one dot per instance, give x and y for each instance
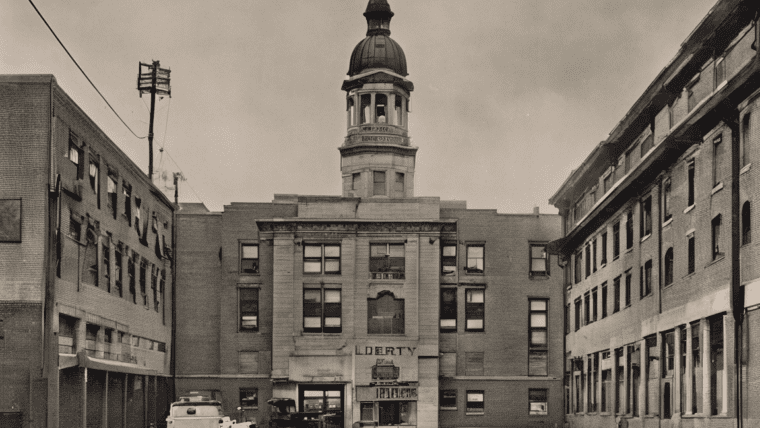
(163, 142)
(183, 174)
(83, 73)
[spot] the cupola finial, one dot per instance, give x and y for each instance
(378, 16)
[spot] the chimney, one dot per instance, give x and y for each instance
(535, 210)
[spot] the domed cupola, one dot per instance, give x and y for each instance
(378, 50)
(377, 157)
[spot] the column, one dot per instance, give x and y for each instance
(84, 397)
(598, 356)
(706, 367)
(687, 381)
(124, 401)
(613, 381)
(104, 419)
(584, 385)
(724, 381)
(624, 398)
(643, 378)
(391, 111)
(677, 375)
(372, 118)
(145, 382)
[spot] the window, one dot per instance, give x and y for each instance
(628, 160)
(616, 240)
(366, 101)
(604, 248)
(607, 182)
(538, 401)
(249, 398)
(118, 269)
(578, 305)
(473, 363)
(692, 253)
(717, 249)
(249, 258)
(720, 71)
(538, 344)
(95, 180)
(475, 403)
(645, 280)
(587, 308)
(746, 223)
(717, 171)
(629, 230)
(669, 266)
(696, 368)
(475, 259)
(10, 221)
(666, 208)
(604, 300)
(368, 411)
(381, 104)
(448, 309)
(717, 371)
(378, 183)
(399, 116)
(397, 412)
(74, 153)
(606, 383)
(161, 288)
(111, 202)
(593, 256)
(355, 180)
(578, 264)
(746, 138)
(448, 399)
(474, 310)
(248, 362)
(385, 314)
(628, 279)
(154, 286)
(616, 295)
(399, 185)
(448, 364)
(594, 304)
(690, 172)
(127, 191)
(567, 319)
(593, 369)
(249, 309)
(539, 260)
(448, 259)
(321, 258)
(143, 280)
(321, 310)
(75, 228)
(387, 261)
(351, 111)
(646, 217)
(648, 143)
(131, 273)
(588, 259)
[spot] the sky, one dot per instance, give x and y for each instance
(510, 95)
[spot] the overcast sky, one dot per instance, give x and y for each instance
(510, 95)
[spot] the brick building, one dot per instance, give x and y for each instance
(85, 270)
(661, 271)
(375, 305)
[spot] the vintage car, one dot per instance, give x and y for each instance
(200, 412)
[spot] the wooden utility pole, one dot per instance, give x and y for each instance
(154, 81)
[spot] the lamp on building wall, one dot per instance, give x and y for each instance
(432, 241)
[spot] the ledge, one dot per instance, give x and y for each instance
(689, 208)
(745, 169)
(717, 188)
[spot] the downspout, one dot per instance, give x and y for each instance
(660, 201)
(173, 356)
(737, 292)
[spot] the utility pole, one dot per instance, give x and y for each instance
(153, 80)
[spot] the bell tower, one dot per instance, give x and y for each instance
(377, 158)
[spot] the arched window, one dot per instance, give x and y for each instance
(366, 101)
(746, 223)
(351, 109)
(385, 314)
(381, 106)
(399, 116)
(669, 266)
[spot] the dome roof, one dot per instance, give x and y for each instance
(377, 51)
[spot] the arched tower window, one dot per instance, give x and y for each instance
(398, 112)
(669, 266)
(381, 108)
(746, 223)
(351, 109)
(366, 101)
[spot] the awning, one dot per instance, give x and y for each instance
(82, 360)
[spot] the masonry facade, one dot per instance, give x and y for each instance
(660, 267)
(85, 250)
(376, 306)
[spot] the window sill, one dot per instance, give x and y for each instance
(745, 169)
(689, 209)
(629, 250)
(667, 222)
(475, 414)
(717, 188)
(538, 276)
(474, 331)
(716, 260)
(248, 274)
(645, 237)
(616, 257)
(448, 408)
(603, 265)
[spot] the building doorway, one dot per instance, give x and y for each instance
(322, 401)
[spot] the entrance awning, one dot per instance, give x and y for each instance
(82, 360)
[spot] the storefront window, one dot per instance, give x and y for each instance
(397, 412)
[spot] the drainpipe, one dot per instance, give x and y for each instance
(737, 292)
